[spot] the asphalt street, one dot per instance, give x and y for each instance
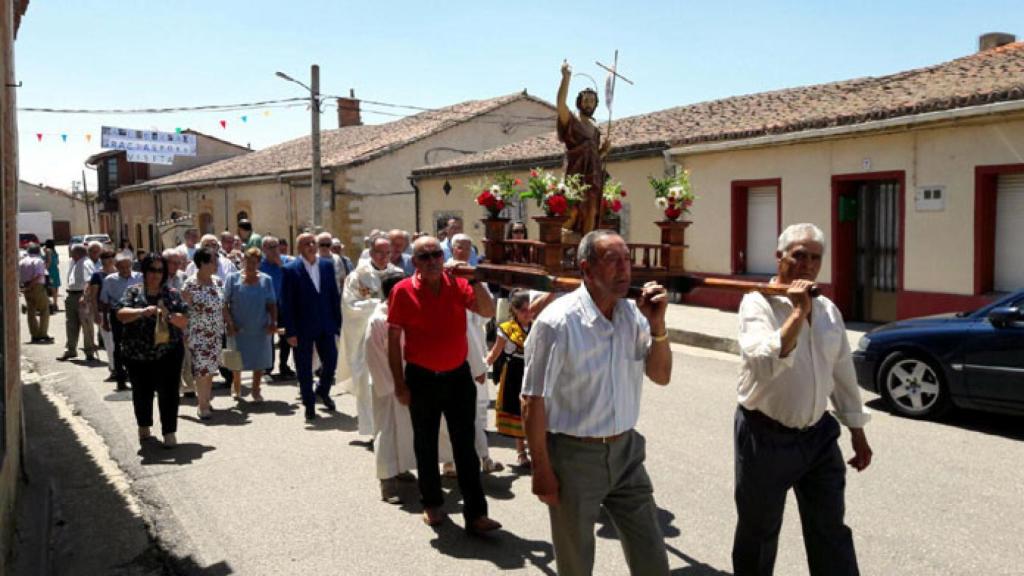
(258, 491)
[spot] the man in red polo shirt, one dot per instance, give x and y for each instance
(429, 309)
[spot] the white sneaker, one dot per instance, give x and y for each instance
(170, 441)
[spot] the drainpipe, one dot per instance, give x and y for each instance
(227, 218)
(416, 192)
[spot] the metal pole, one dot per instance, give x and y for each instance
(314, 98)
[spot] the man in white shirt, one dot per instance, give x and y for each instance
(454, 229)
(586, 357)
(78, 320)
(224, 264)
(188, 246)
(795, 358)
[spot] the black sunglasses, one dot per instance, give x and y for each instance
(327, 245)
(428, 256)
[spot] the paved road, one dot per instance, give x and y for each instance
(258, 491)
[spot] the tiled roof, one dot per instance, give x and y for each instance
(991, 76)
(339, 147)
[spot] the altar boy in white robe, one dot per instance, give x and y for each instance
(393, 439)
(363, 292)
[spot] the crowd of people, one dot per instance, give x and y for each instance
(405, 333)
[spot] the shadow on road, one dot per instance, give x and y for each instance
(185, 453)
(694, 567)
(71, 517)
(504, 549)
(275, 407)
(1002, 425)
(234, 416)
(327, 420)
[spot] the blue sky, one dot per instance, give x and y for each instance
(144, 53)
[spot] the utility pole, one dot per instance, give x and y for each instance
(314, 100)
(85, 196)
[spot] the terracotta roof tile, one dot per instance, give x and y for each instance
(339, 147)
(986, 77)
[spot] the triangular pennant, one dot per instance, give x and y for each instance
(64, 137)
(223, 123)
(88, 137)
(177, 130)
(266, 113)
(245, 118)
(39, 136)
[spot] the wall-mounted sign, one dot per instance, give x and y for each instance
(148, 146)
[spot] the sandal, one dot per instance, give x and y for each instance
(448, 470)
(522, 460)
(256, 396)
(490, 466)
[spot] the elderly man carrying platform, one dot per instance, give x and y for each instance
(429, 309)
(586, 357)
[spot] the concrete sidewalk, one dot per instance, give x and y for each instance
(717, 329)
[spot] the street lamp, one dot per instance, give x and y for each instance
(314, 105)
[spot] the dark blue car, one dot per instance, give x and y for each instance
(925, 366)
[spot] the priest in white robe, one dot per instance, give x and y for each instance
(363, 292)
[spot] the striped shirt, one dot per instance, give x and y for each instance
(589, 370)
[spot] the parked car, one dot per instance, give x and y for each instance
(75, 240)
(923, 367)
(101, 238)
(24, 239)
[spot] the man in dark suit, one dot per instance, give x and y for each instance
(311, 314)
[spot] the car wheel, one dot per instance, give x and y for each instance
(913, 386)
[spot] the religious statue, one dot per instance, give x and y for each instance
(584, 152)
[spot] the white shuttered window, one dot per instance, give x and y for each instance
(1009, 257)
(762, 229)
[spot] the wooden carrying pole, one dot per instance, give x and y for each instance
(535, 279)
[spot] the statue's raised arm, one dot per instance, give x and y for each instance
(564, 114)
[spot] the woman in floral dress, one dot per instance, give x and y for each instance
(204, 294)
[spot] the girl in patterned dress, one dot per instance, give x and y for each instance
(204, 293)
(509, 347)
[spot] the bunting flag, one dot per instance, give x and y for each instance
(67, 137)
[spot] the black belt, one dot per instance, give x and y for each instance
(435, 372)
(767, 421)
(595, 439)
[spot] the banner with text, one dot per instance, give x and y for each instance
(148, 146)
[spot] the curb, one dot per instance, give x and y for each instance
(701, 340)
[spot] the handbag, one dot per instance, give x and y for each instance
(231, 358)
(161, 332)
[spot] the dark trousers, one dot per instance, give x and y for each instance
(284, 350)
(452, 394)
(771, 459)
(161, 376)
(117, 330)
(327, 349)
